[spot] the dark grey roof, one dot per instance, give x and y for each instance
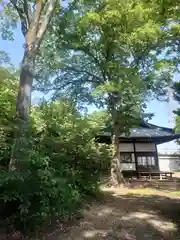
(147, 130)
(153, 131)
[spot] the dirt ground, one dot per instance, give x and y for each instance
(125, 214)
(139, 214)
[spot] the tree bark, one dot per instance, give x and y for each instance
(25, 88)
(33, 32)
(23, 104)
(116, 169)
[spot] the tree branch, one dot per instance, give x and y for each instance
(23, 15)
(33, 28)
(27, 10)
(83, 71)
(44, 21)
(37, 15)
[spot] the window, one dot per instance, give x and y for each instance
(146, 160)
(151, 161)
(127, 157)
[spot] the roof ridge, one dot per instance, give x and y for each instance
(150, 125)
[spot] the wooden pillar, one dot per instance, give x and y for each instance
(156, 158)
(135, 156)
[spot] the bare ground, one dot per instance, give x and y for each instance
(125, 214)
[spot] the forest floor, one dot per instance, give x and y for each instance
(125, 214)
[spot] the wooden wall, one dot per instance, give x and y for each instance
(134, 149)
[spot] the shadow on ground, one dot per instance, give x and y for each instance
(123, 215)
(127, 217)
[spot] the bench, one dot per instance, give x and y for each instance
(160, 174)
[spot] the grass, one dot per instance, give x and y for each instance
(176, 193)
(148, 192)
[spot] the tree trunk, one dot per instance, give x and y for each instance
(116, 170)
(33, 31)
(25, 88)
(23, 104)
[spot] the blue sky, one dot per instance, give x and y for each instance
(162, 110)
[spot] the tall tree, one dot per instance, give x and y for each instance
(35, 17)
(113, 56)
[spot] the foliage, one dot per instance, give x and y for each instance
(109, 51)
(8, 88)
(111, 58)
(63, 163)
(9, 20)
(74, 135)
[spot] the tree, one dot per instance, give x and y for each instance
(176, 88)
(35, 18)
(112, 61)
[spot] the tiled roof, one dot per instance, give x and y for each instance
(150, 131)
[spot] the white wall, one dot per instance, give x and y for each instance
(126, 147)
(169, 163)
(140, 147)
(145, 147)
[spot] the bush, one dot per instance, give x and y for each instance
(61, 166)
(32, 197)
(8, 87)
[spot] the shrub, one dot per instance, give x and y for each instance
(32, 197)
(61, 166)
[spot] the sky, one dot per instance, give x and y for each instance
(162, 110)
